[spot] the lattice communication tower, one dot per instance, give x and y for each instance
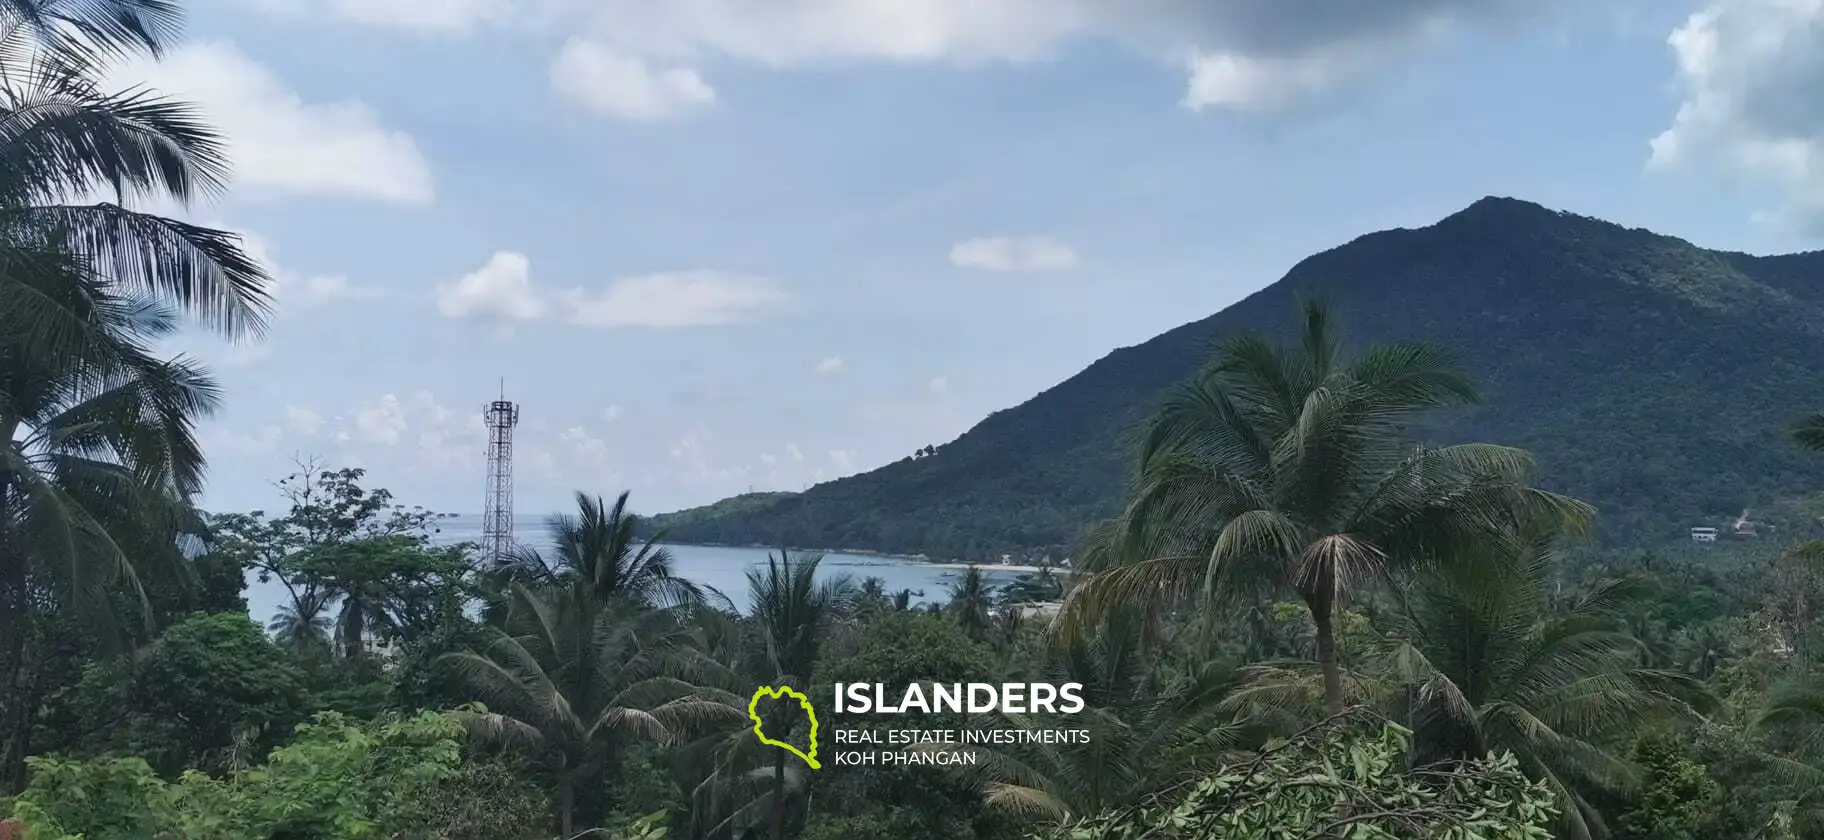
(497, 516)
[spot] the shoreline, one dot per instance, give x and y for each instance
(996, 567)
(914, 559)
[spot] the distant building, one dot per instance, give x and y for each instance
(1703, 535)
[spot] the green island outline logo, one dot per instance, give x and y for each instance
(780, 692)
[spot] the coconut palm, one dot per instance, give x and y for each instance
(1280, 469)
(598, 546)
(305, 624)
(971, 599)
(1808, 433)
(1484, 663)
(1148, 726)
(793, 611)
(96, 481)
(574, 679)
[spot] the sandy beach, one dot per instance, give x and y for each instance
(995, 567)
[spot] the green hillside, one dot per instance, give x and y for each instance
(1649, 375)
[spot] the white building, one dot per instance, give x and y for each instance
(1703, 535)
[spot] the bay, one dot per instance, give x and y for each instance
(724, 568)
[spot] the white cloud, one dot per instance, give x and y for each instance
(939, 385)
(501, 290)
(1751, 71)
(435, 438)
(612, 413)
(281, 144)
(843, 460)
(306, 290)
(1014, 253)
(303, 420)
(452, 16)
(829, 366)
(259, 442)
(678, 299)
(1244, 52)
(796, 454)
(382, 421)
(1233, 80)
(583, 444)
(625, 85)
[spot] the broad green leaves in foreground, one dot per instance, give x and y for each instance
(1355, 787)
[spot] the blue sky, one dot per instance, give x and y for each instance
(715, 245)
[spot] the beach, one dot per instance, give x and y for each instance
(996, 567)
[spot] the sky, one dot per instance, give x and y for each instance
(713, 246)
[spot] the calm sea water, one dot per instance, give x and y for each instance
(723, 568)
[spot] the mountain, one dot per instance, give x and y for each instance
(1650, 376)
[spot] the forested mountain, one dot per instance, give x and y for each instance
(1650, 376)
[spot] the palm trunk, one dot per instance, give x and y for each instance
(779, 795)
(1322, 604)
(566, 808)
(16, 706)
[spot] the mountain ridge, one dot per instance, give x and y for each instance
(1631, 362)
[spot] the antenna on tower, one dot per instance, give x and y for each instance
(497, 515)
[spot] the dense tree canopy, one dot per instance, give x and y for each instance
(1313, 612)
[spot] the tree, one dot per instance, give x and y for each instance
(98, 456)
(793, 611)
(971, 598)
(1288, 469)
(599, 547)
(343, 548)
(1809, 433)
(1147, 726)
(1337, 781)
(397, 778)
(182, 701)
(572, 680)
(1484, 662)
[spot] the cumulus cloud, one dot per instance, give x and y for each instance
(436, 438)
(1014, 253)
(640, 60)
(307, 290)
(503, 290)
(280, 143)
(500, 290)
(626, 85)
(677, 299)
(1242, 53)
(303, 420)
(1750, 71)
(829, 366)
(441, 16)
(612, 413)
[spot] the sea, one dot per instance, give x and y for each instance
(723, 568)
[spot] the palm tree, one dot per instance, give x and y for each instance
(1808, 433)
(793, 611)
(98, 449)
(1288, 469)
(970, 601)
(305, 624)
(1148, 726)
(1484, 663)
(94, 485)
(573, 679)
(598, 546)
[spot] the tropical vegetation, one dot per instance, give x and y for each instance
(1318, 608)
